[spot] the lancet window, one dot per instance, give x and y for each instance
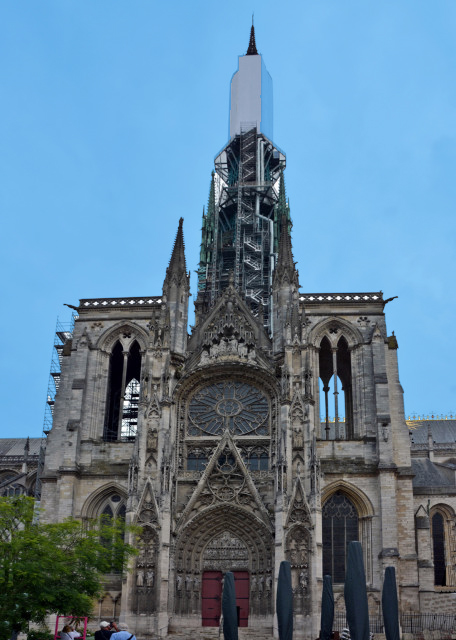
(256, 459)
(443, 547)
(336, 400)
(13, 488)
(196, 460)
(113, 510)
(123, 393)
(340, 527)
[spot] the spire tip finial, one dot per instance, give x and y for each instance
(252, 50)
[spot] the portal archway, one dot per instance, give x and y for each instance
(248, 553)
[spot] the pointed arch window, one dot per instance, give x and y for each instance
(122, 400)
(443, 546)
(438, 548)
(130, 410)
(336, 394)
(340, 527)
(113, 511)
(196, 460)
(257, 460)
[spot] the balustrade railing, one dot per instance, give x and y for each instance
(119, 302)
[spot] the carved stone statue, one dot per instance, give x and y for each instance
(261, 584)
(303, 580)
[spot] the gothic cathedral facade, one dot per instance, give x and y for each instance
(274, 431)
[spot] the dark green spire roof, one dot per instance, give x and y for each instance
(252, 50)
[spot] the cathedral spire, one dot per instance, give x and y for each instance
(177, 269)
(252, 50)
(285, 270)
(176, 290)
(281, 209)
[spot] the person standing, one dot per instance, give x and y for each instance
(68, 633)
(123, 633)
(106, 630)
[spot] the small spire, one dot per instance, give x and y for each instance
(252, 50)
(285, 257)
(211, 201)
(285, 269)
(281, 209)
(282, 203)
(177, 268)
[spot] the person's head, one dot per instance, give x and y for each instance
(67, 629)
(104, 624)
(123, 627)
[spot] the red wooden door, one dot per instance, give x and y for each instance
(241, 587)
(211, 598)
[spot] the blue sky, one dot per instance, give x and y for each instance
(112, 111)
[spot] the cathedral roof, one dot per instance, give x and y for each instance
(15, 446)
(443, 431)
(429, 474)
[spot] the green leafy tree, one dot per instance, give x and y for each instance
(53, 568)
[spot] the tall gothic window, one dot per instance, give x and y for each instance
(438, 548)
(123, 393)
(114, 510)
(336, 401)
(443, 546)
(340, 527)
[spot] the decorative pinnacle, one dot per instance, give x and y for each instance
(177, 266)
(285, 270)
(252, 50)
(285, 257)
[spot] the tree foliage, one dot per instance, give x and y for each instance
(53, 568)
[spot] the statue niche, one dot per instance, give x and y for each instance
(146, 573)
(298, 555)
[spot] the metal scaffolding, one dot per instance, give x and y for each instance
(63, 333)
(242, 223)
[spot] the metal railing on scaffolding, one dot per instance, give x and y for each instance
(63, 333)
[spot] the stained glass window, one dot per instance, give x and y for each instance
(438, 545)
(237, 406)
(340, 527)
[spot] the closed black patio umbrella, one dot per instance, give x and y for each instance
(327, 609)
(284, 602)
(355, 594)
(390, 605)
(230, 623)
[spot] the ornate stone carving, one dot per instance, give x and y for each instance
(233, 405)
(298, 554)
(145, 579)
(226, 553)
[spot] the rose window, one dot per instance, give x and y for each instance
(237, 406)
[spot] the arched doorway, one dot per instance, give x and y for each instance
(224, 553)
(224, 538)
